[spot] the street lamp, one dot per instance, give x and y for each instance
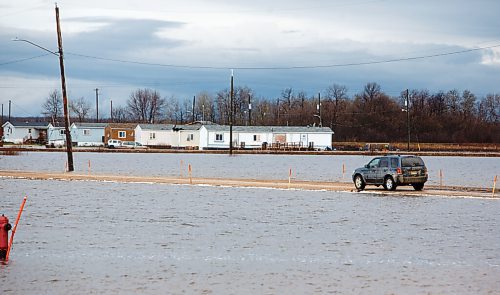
(69, 148)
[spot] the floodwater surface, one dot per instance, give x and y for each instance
(79, 237)
(460, 171)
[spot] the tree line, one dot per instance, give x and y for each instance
(370, 115)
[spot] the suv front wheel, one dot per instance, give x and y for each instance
(359, 183)
(389, 184)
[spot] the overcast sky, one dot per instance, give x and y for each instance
(183, 47)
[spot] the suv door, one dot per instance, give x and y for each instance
(382, 170)
(372, 168)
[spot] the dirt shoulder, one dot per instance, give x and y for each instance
(446, 191)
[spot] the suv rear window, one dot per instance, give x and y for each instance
(412, 161)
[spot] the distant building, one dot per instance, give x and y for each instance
(88, 134)
(291, 137)
(120, 131)
(21, 132)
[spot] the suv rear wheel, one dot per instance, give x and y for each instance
(389, 183)
(418, 186)
(359, 183)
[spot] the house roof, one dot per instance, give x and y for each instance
(27, 124)
(91, 125)
(167, 127)
(272, 129)
(122, 125)
(156, 126)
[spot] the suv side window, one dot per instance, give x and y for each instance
(394, 163)
(374, 163)
(384, 163)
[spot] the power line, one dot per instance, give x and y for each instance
(287, 67)
(23, 59)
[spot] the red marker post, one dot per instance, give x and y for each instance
(14, 229)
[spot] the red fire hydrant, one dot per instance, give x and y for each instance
(4, 236)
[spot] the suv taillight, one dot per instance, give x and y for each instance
(399, 171)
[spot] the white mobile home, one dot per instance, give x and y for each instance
(88, 134)
(155, 135)
(24, 132)
(217, 137)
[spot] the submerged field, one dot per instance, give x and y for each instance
(84, 237)
(81, 237)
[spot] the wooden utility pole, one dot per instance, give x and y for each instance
(407, 102)
(69, 146)
(97, 105)
(194, 103)
(111, 111)
(231, 117)
(319, 110)
(9, 109)
(249, 110)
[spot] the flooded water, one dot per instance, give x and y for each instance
(80, 237)
(462, 171)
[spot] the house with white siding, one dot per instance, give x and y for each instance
(160, 135)
(19, 132)
(252, 137)
(56, 135)
(88, 134)
(168, 135)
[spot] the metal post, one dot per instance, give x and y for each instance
(69, 148)
(231, 117)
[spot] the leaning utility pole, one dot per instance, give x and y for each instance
(97, 105)
(69, 148)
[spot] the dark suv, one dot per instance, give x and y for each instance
(391, 171)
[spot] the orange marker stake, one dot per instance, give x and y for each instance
(494, 186)
(14, 229)
(289, 177)
(89, 167)
(190, 175)
(343, 171)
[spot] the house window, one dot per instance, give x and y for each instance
(29, 130)
(219, 137)
(256, 137)
(86, 132)
(62, 132)
(190, 137)
(152, 135)
(122, 134)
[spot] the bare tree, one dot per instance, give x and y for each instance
(52, 107)
(145, 105)
(120, 114)
(80, 108)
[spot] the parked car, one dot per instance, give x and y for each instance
(114, 143)
(392, 171)
(133, 144)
